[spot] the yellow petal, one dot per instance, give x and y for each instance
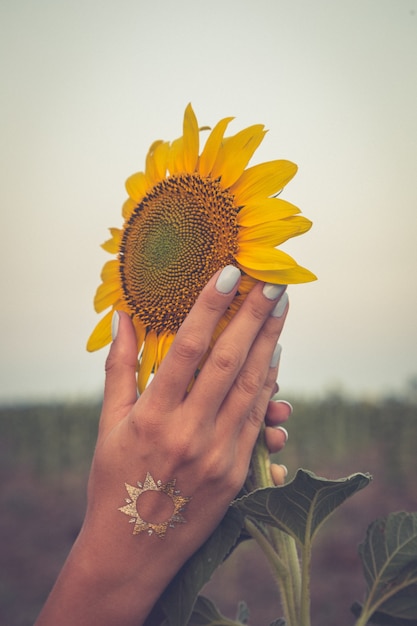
(176, 157)
(164, 343)
(157, 162)
(235, 153)
(140, 331)
(137, 186)
(191, 139)
(273, 233)
(263, 258)
(128, 207)
(263, 180)
(107, 294)
(265, 211)
(112, 244)
(101, 335)
(148, 359)
(246, 284)
(212, 145)
(290, 276)
(110, 271)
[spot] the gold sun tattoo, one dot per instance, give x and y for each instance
(159, 528)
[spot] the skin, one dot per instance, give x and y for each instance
(203, 439)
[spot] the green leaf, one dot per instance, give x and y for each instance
(382, 619)
(302, 505)
(178, 600)
(389, 559)
(242, 614)
(206, 614)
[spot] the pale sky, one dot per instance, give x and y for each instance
(88, 85)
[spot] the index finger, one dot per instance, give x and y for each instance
(193, 338)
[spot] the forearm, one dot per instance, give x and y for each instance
(111, 589)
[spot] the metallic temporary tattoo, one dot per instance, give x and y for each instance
(159, 528)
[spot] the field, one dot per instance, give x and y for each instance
(45, 453)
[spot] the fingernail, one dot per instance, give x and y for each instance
(227, 279)
(284, 430)
(272, 292)
(284, 467)
(115, 325)
(276, 355)
(280, 306)
(288, 404)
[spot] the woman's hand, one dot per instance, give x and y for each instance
(202, 438)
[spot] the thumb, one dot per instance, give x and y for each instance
(120, 389)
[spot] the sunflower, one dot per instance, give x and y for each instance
(188, 215)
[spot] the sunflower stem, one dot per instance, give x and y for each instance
(279, 547)
(279, 569)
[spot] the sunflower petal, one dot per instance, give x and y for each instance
(176, 156)
(265, 211)
(164, 343)
(112, 244)
(128, 207)
(191, 139)
(157, 162)
(148, 360)
(290, 276)
(140, 331)
(151, 172)
(137, 186)
(107, 294)
(235, 153)
(275, 232)
(101, 335)
(263, 180)
(110, 271)
(262, 258)
(246, 284)
(212, 145)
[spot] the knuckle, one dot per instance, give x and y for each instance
(257, 313)
(110, 363)
(249, 382)
(226, 358)
(218, 469)
(256, 416)
(189, 347)
(271, 379)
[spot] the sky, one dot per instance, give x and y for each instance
(88, 85)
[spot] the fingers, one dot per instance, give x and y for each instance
(193, 338)
(120, 390)
(278, 473)
(276, 436)
(278, 412)
(237, 367)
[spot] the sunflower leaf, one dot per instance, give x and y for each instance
(178, 600)
(302, 505)
(382, 619)
(389, 559)
(206, 614)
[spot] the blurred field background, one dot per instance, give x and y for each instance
(45, 452)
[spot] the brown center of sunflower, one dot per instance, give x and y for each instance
(177, 237)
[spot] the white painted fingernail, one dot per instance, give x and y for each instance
(115, 325)
(276, 355)
(280, 306)
(284, 430)
(272, 292)
(227, 279)
(284, 467)
(288, 404)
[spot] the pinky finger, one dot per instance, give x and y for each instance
(278, 474)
